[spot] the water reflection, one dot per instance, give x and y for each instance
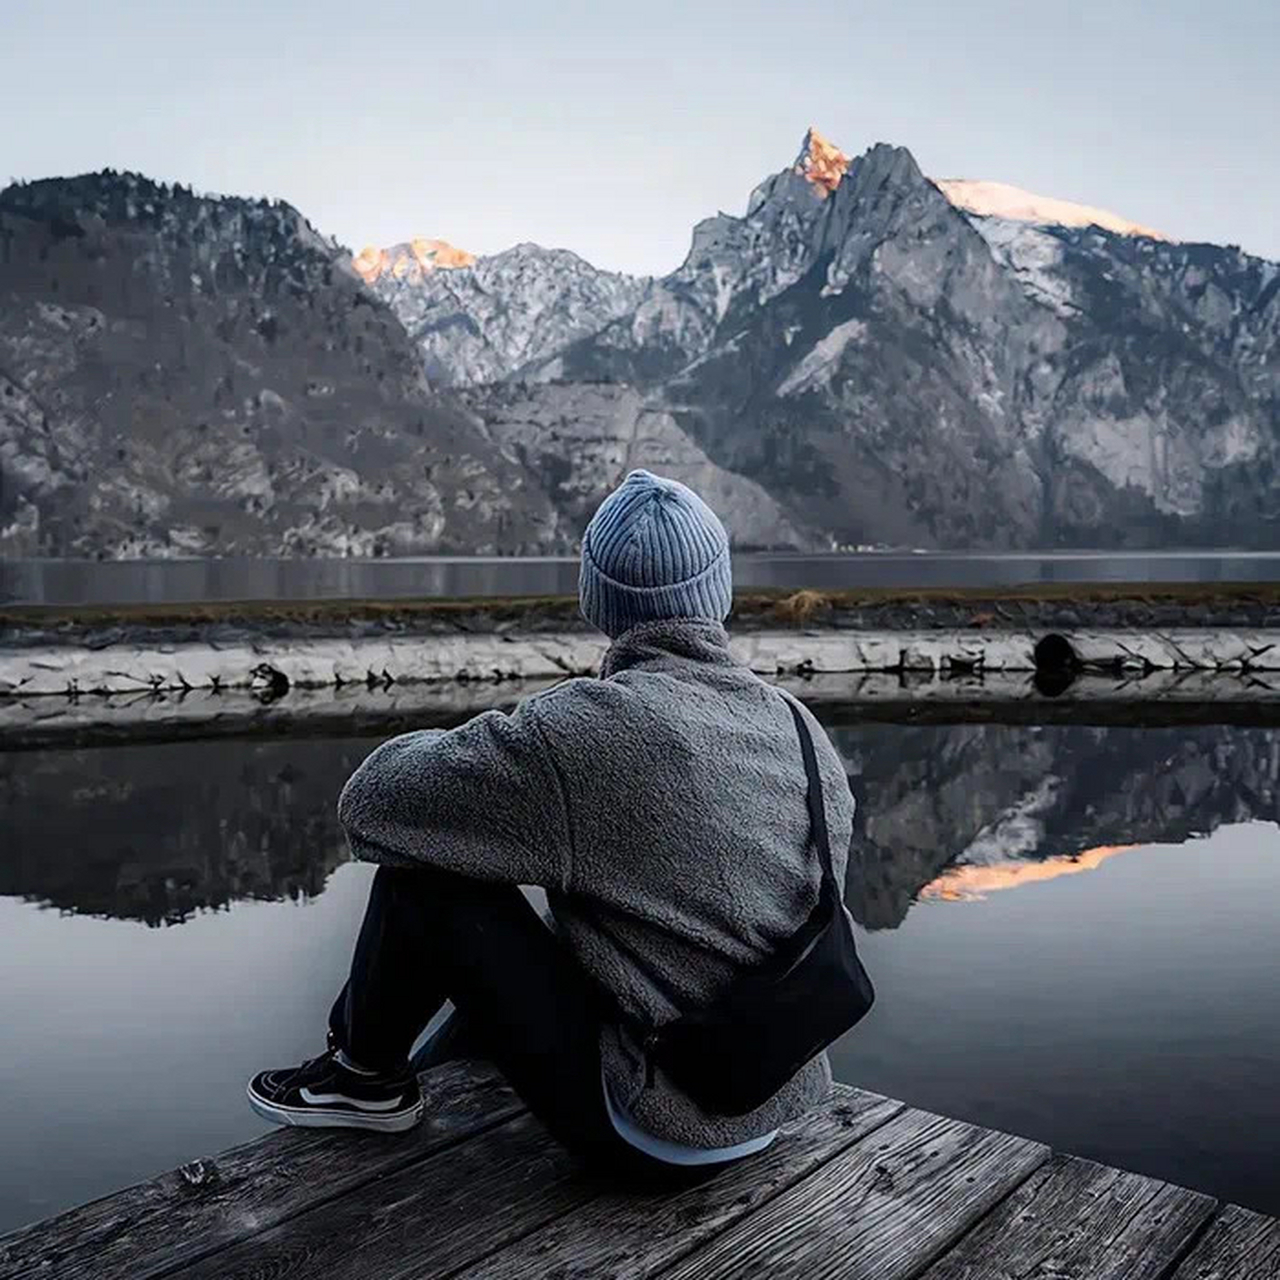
(968, 882)
(1126, 1014)
(170, 581)
(978, 796)
(157, 833)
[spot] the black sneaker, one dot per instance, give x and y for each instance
(325, 1094)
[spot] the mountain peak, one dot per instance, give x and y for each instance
(999, 200)
(821, 162)
(411, 260)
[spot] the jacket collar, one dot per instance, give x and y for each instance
(689, 638)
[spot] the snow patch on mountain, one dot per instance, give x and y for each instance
(999, 200)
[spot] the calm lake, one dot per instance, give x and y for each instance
(170, 581)
(1073, 931)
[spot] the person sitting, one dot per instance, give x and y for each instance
(662, 807)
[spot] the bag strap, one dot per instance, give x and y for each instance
(817, 810)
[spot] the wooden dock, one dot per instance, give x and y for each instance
(864, 1189)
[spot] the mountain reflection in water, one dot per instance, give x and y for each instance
(1126, 1015)
(159, 832)
(156, 833)
(964, 797)
(969, 881)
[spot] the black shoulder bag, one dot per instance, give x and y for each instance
(733, 1056)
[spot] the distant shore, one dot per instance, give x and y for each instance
(1064, 607)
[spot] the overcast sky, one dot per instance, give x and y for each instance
(610, 128)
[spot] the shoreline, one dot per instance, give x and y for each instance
(273, 668)
(133, 673)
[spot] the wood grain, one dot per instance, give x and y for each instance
(862, 1189)
(627, 1236)
(1076, 1220)
(428, 1220)
(879, 1211)
(1239, 1245)
(151, 1229)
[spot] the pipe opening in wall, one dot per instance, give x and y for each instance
(1055, 652)
(1057, 665)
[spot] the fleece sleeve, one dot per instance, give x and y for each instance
(483, 800)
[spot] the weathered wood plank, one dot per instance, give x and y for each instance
(1239, 1245)
(1076, 1220)
(428, 1220)
(151, 1229)
(879, 1211)
(626, 1236)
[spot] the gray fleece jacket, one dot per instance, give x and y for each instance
(661, 806)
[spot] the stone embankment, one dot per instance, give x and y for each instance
(275, 668)
(339, 661)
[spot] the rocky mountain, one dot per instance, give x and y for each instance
(483, 320)
(577, 440)
(1164, 418)
(862, 357)
(187, 375)
(904, 371)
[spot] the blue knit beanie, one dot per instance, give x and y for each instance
(653, 550)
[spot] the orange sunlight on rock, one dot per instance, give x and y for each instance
(822, 162)
(969, 883)
(412, 260)
(1000, 200)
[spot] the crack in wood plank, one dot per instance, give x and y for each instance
(880, 1211)
(1239, 1245)
(422, 1222)
(1076, 1220)
(626, 1236)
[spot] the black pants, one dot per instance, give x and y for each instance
(431, 935)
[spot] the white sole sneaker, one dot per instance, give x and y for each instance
(318, 1118)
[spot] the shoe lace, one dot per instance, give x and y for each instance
(321, 1059)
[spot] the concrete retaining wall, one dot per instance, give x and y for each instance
(274, 666)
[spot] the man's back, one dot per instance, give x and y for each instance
(684, 791)
(663, 809)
